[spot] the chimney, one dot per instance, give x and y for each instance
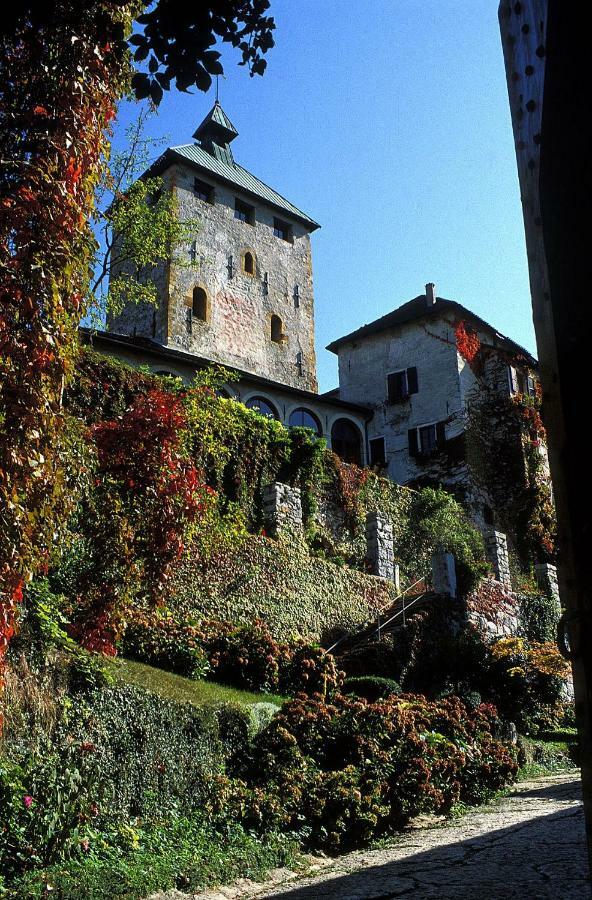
(430, 294)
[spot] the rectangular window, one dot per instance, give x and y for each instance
(377, 452)
(426, 440)
(244, 212)
(282, 230)
(203, 190)
(400, 385)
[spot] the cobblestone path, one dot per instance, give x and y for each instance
(530, 844)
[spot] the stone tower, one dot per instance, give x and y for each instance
(241, 293)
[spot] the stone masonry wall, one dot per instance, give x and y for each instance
(238, 331)
(379, 540)
(282, 509)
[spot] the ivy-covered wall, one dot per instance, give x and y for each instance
(280, 582)
(217, 561)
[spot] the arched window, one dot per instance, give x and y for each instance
(263, 407)
(346, 441)
(277, 330)
(303, 418)
(200, 304)
(248, 263)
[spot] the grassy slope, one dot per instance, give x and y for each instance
(184, 690)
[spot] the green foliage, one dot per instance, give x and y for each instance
(245, 656)
(138, 226)
(184, 690)
(438, 655)
(539, 615)
(156, 755)
(181, 853)
(437, 522)
(507, 460)
(47, 804)
(277, 581)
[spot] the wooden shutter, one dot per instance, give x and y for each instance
(412, 380)
(513, 379)
(440, 435)
(393, 388)
(413, 446)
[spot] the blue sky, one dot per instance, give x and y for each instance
(388, 122)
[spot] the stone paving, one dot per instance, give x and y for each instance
(530, 844)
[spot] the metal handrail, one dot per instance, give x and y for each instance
(390, 603)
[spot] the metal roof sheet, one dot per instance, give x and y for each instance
(241, 178)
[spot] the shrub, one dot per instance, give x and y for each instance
(352, 770)
(154, 754)
(371, 687)
(244, 656)
(160, 641)
(47, 806)
(180, 854)
(310, 670)
(539, 615)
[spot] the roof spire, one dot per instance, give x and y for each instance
(216, 132)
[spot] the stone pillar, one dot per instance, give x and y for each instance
(444, 574)
(379, 546)
(282, 508)
(546, 577)
(496, 545)
(397, 577)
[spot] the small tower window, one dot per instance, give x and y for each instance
(248, 263)
(277, 330)
(244, 212)
(282, 230)
(200, 304)
(203, 190)
(296, 296)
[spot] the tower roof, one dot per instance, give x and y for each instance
(215, 134)
(216, 122)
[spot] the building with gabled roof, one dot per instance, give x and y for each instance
(240, 294)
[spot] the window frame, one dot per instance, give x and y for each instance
(259, 397)
(206, 196)
(244, 212)
(411, 385)
(318, 429)
(374, 441)
(417, 451)
(206, 303)
(283, 230)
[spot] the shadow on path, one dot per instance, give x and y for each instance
(540, 856)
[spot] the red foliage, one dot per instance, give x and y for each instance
(146, 495)
(467, 342)
(58, 92)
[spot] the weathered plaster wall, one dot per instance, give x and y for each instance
(363, 370)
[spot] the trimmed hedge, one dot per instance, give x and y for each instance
(155, 754)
